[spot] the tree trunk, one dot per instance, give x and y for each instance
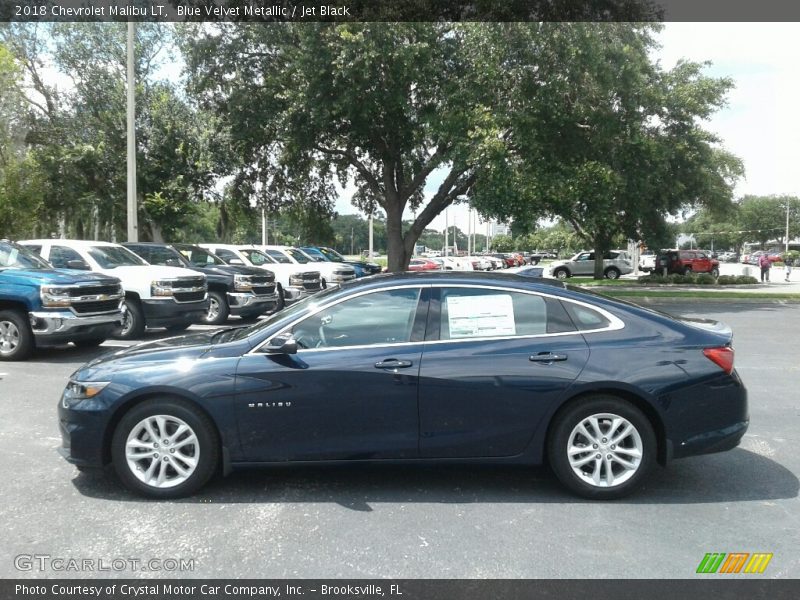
(599, 252)
(396, 246)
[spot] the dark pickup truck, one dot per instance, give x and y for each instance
(42, 306)
(243, 291)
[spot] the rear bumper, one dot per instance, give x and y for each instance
(167, 312)
(57, 327)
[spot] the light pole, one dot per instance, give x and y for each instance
(786, 240)
(133, 225)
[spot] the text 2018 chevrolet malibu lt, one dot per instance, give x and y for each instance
(424, 367)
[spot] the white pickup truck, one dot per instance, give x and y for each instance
(331, 272)
(155, 296)
(293, 283)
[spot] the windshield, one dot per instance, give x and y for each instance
(287, 313)
(278, 256)
(18, 257)
(198, 257)
(111, 257)
(164, 256)
(314, 254)
(331, 254)
(256, 257)
(298, 256)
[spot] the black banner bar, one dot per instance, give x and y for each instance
(712, 586)
(398, 10)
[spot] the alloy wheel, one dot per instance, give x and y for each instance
(9, 337)
(605, 450)
(213, 309)
(162, 451)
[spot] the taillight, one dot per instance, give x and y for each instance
(722, 356)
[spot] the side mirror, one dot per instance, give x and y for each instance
(282, 344)
(78, 265)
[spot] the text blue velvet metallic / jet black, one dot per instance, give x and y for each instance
(462, 400)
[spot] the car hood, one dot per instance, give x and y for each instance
(132, 272)
(62, 276)
(231, 270)
(169, 351)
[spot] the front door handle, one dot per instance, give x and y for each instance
(393, 363)
(547, 357)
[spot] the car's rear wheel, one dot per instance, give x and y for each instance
(561, 273)
(715, 272)
(16, 338)
(165, 448)
(133, 324)
(687, 270)
(601, 447)
(612, 273)
(218, 310)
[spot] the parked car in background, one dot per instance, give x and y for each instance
(364, 266)
(687, 262)
(507, 370)
(41, 306)
(647, 261)
(246, 292)
(480, 263)
(507, 259)
(728, 256)
(425, 264)
(615, 263)
(293, 284)
(457, 263)
(155, 296)
(332, 273)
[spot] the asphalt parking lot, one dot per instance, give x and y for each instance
(419, 522)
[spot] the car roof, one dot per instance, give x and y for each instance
(77, 243)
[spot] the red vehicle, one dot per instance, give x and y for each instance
(687, 262)
(423, 264)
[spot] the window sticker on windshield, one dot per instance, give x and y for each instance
(480, 316)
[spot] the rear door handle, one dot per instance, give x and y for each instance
(393, 363)
(547, 357)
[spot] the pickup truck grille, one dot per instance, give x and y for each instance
(264, 290)
(262, 279)
(98, 306)
(345, 275)
(93, 290)
(190, 296)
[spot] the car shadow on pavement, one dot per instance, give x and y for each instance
(739, 475)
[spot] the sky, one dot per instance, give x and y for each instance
(760, 125)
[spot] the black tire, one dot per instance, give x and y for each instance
(281, 300)
(218, 302)
(561, 273)
(178, 327)
(568, 418)
(134, 325)
(535, 261)
(253, 316)
(715, 272)
(208, 446)
(92, 343)
(687, 270)
(16, 338)
(612, 273)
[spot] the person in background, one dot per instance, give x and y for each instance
(788, 262)
(765, 263)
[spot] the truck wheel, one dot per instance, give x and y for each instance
(218, 310)
(281, 300)
(16, 337)
(687, 270)
(133, 324)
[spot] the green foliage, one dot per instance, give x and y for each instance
(502, 243)
(697, 279)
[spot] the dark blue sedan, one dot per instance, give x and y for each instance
(445, 366)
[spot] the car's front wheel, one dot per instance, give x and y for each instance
(16, 338)
(715, 272)
(601, 447)
(218, 310)
(133, 323)
(165, 448)
(561, 273)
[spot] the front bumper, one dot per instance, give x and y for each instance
(242, 302)
(82, 434)
(54, 327)
(166, 312)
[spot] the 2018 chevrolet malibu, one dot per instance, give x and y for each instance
(443, 366)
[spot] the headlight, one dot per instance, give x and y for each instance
(81, 390)
(161, 288)
(53, 296)
(242, 283)
(296, 280)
